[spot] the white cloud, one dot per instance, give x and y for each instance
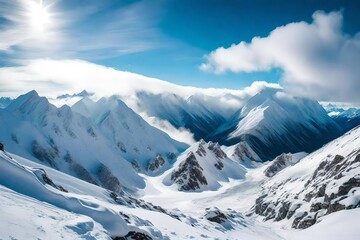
(55, 77)
(318, 60)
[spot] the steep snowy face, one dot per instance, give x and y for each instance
(67, 141)
(273, 122)
(137, 141)
(326, 181)
(202, 167)
(198, 113)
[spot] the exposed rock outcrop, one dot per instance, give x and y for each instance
(132, 235)
(282, 161)
(189, 175)
(215, 215)
(156, 164)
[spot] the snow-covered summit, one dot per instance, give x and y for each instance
(136, 140)
(273, 122)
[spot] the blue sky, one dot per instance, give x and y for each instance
(166, 39)
(195, 28)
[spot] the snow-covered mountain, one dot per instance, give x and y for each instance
(324, 182)
(202, 167)
(273, 122)
(108, 135)
(66, 141)
(137, 141)
(151, 187)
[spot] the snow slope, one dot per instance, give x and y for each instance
(333, 227)
(23, 217)
(273, 122)
(32, 183)
(94, 213)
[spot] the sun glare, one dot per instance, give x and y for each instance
(39, 16)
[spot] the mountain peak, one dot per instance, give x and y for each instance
(31, 96)
(32, 93)
(30, 106)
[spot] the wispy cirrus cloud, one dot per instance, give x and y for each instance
(79, 29)
(318, 59)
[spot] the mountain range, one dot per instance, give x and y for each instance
(104, 168)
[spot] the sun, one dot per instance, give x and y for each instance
(39, 16)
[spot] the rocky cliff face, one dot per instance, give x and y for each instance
(189, 175)
(322, 183)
